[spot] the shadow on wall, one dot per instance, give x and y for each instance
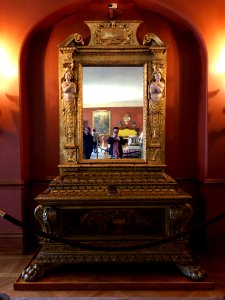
(9, 114)
(211, 95)
(215, 135)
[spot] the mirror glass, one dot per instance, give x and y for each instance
(113, 97)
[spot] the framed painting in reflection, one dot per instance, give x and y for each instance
(101, 120)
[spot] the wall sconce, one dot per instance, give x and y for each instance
(133, 124)
(8, 87)
(8, 66)
(220, 63)
(126, 118)
(120, 123)
(216, 62)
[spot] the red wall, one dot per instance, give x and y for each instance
(195, 138)
(117, 113)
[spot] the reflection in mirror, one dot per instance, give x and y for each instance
(113, 97)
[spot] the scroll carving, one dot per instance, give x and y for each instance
(47, 217)
(179, 216)
(152, 40)
(72, 41)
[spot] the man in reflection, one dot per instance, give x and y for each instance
(116, 143)
(95, 140)
(87, 143)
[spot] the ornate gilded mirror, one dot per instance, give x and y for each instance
(112, 82)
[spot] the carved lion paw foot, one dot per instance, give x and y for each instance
(194, 272)
(33, 272)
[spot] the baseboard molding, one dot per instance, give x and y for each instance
(214, 181)
(11, 243)
(12, 184)
(22, 184)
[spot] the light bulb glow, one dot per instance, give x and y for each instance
(220, 63)
(8, 67)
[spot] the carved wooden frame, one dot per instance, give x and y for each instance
(112, 43)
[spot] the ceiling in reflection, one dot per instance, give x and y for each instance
(112, 86)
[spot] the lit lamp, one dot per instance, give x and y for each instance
(8, 87)
(220, 63)
(8, 69)
(217, 67)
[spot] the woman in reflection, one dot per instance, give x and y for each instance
(116, 143)
(87, 143)
(157, 87)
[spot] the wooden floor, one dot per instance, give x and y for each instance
(12, 265)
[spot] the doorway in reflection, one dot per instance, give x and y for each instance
(113, 96)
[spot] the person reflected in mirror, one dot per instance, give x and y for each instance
(141, 136)
(157, 86)
(95, 140)
(87, 143)
(116, 143)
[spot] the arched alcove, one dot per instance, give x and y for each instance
(186, 86)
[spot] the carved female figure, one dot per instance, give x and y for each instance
(68, 87)
(157, 87)
(68, 106)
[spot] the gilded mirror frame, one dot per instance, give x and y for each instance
(112, 43)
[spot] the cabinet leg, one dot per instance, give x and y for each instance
(36, 271)
(192, 271)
